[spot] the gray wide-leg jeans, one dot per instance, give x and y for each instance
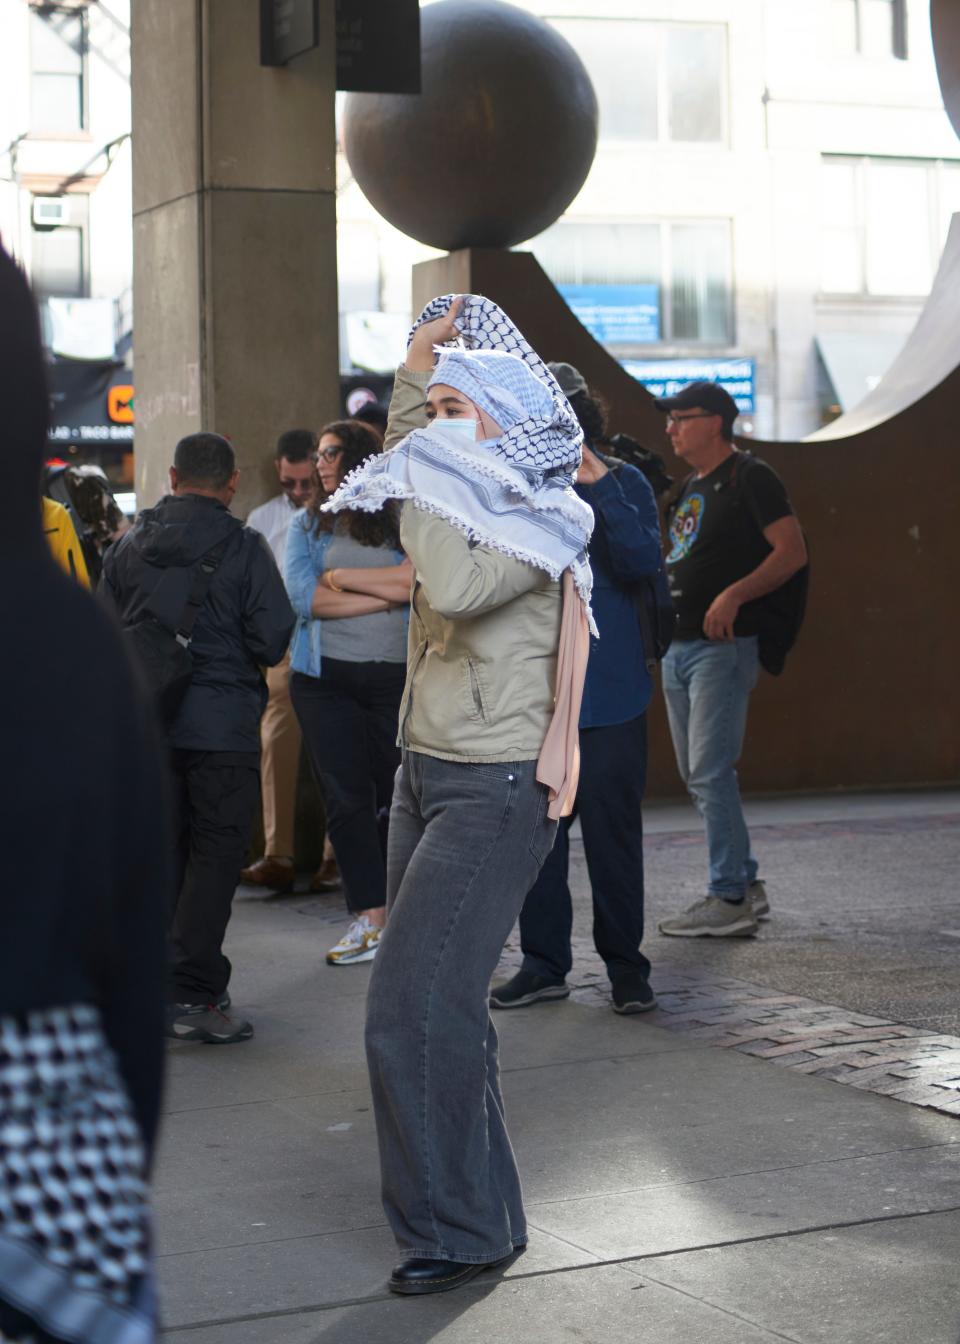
(466, 844)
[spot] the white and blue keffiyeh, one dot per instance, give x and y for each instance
(513, 494)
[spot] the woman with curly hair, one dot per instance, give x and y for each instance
(349, 584)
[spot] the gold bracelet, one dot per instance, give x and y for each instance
(329, 582)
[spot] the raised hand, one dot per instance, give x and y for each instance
(420, 358)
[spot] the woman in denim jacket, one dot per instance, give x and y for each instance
(350, 587)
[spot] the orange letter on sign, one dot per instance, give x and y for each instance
(120, 404)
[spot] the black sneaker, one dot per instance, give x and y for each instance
(524, 988)
(633, 994)
(207, 1023)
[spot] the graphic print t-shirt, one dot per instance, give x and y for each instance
(716, 537)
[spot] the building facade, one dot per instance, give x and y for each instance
(767, 206)
(768, 203)
(65, 214)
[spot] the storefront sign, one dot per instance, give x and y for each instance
(120, 404)
(90, 403)
(665, 377)
(617, 314)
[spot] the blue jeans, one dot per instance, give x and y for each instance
(466, 843)
(707, 685)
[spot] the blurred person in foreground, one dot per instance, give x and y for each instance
(213, 739)
(624, 551)
(295, 460)
(81, 923)
(733, 539)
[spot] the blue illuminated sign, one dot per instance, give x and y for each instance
(617, 314)
(665, 377)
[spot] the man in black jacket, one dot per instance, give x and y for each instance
(214, 740)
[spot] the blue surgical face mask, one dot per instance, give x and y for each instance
(458, 428)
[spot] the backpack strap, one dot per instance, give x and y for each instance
(656, 615)
(208, 566)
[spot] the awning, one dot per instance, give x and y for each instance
(83, 328)
(377, 342)
(857, 360)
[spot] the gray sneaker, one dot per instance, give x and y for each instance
(757, 896)
(712, 918)
(207, 1023)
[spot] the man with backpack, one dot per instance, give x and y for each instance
(734, 541)
(190, 569)
(625, 555)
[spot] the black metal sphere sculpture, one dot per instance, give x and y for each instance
(498, 143)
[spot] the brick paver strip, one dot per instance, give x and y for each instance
(871, 1053)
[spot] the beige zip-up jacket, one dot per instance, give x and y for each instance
(484, 630)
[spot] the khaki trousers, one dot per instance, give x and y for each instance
(280, 759)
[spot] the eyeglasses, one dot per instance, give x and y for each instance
(696, 415)
(330, 454)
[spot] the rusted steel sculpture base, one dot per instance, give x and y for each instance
(869, 695)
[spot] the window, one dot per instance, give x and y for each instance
(700, 290)
(883, 223)
(58, 255)
(654, 81)
(680, 269)
(58, 43)
(874, 28)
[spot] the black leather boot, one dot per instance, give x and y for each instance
(436, 1276)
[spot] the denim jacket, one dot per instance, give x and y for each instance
(305, 562)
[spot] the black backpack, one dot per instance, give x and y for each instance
(656, 614)
(781, 612)
(163, 655)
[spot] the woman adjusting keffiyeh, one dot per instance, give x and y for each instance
(482, 447)
(496, 459)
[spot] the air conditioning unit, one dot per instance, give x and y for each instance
(50, 211)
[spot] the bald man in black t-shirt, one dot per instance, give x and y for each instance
(733, 539)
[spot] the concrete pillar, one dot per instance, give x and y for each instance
(234, 204)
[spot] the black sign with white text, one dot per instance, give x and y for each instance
(378, 46)
(288, 28)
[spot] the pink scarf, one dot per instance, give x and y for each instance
(558, 766)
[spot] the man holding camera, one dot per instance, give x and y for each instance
(624, 552)
(733, 539)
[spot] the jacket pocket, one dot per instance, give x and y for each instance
(473, 691)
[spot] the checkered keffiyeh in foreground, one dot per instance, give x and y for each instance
(74, 1252)
(513, 494)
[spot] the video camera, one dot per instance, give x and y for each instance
(644, 459)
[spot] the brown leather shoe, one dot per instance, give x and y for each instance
(274, 874)
(327, 877)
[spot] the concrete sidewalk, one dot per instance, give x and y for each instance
(676, 1192)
